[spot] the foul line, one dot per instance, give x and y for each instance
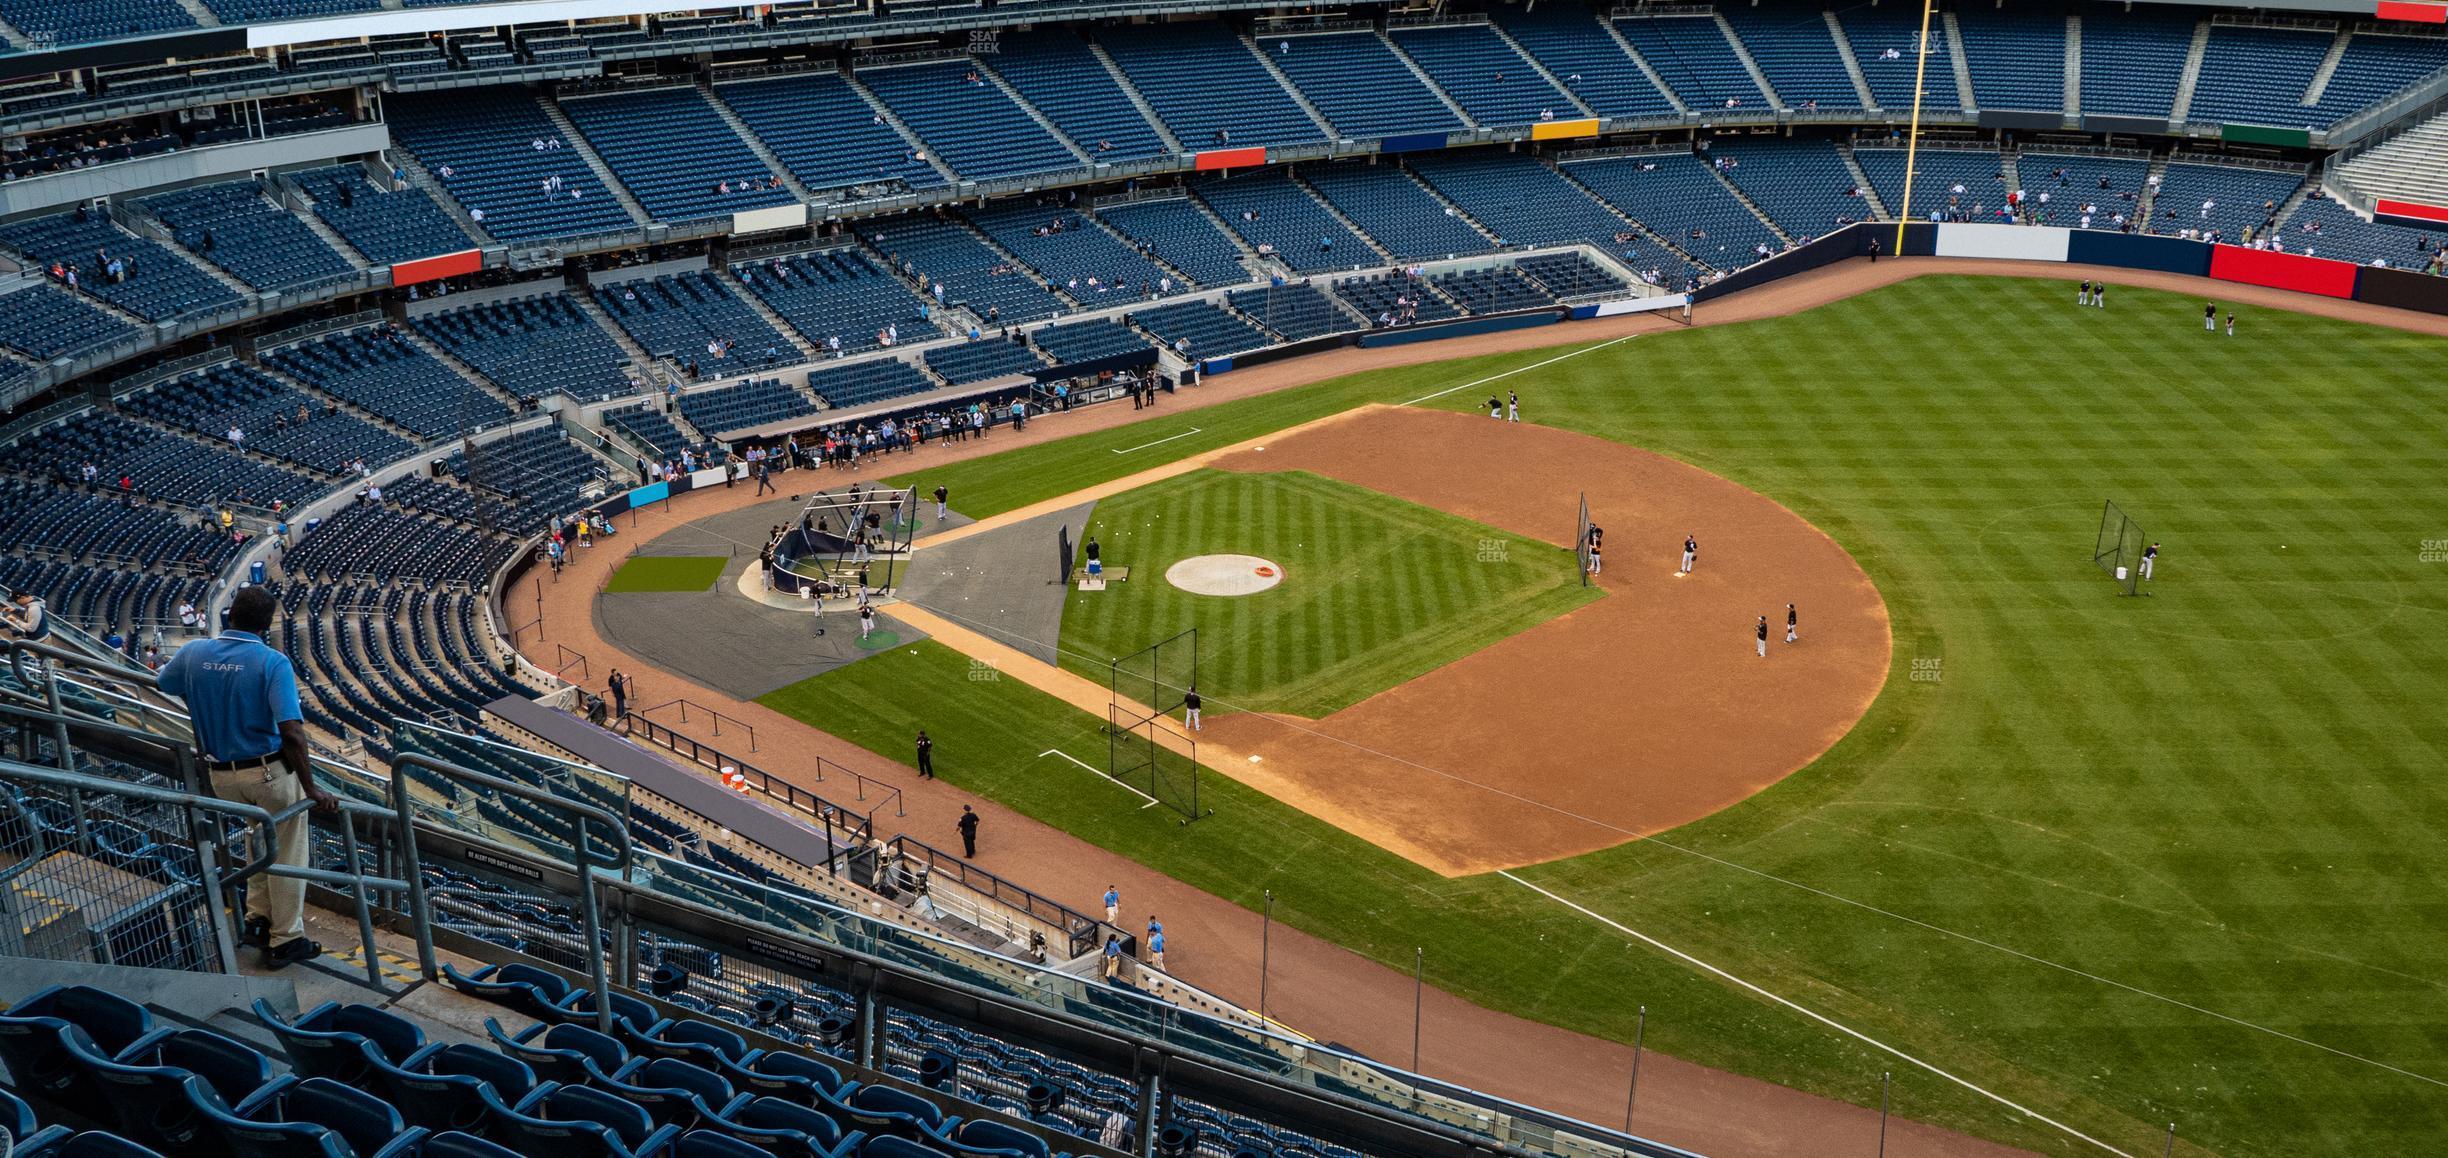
(1151, 801)
(1159, 442)
(1822, 1019)
(1521, 369)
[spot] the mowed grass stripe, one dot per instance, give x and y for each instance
(2228, 793)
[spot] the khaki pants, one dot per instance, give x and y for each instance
(279, 900)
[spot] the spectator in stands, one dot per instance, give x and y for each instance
(27, 618)
(242, 697)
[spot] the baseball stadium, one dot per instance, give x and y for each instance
(1040, 578)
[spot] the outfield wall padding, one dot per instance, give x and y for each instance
(2003, 242)
(2128, 251)
(1920, 240)
(1461, 329)
(2286, 271)
(1411, 143)
(2403, 289)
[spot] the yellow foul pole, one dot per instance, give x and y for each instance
(1912, 138)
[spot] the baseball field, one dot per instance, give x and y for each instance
(2112, 862)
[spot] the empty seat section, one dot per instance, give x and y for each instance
(1093, 267)
(1883, 40)
(826, 133)
(2112, 185)
(652, 429)
(533, 346)
(233, 226)
(81, 21)
(1937, 174)
(1297, 311)
(159, 466)
(2323, 228)
(1569, 275)
(1483, 74)
(2017, 58)
(1694, 58)
(1574, 46)
(2132, 59)
(482, 145)
(1389, 300)
(2376, 66)
(1083, 342)
(1795, 51)
(380, 370)
(737, 407)
(688, 316)
(1180, 235)
(387, 225)
(970, 123)
(838, 299)
(1274, 214)
(1211, 92)
(866, 383)
(675, 154)
(1803, 186)
(1676, 196)
(1055, 71)
(973, 275)
(1200, 330)
(1401, 214)
(276, 419)
(982, 360)
(2237, 199)
(1525, 203)
(1501, 289)
(2258, 75)
(45, 322)
(1359, 84)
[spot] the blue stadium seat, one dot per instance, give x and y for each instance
(1210, 90)
(40, 1060)
(1483, 74)
(827, 134)
(341, 1042)
(1574, 46)
(480, 144)
(969, 123)
(675, 154)
(1055, 71)
(1355, 79)
(386, 224)
(232, 225)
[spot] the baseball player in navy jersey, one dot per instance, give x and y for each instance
(2210, 318)
(1793, 624)
(2150, 561)
(1763, 637)
(2099, 294)
(1691, 553)
(1512, 406)
(2082, 294)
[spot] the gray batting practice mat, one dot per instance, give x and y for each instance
(743, 532)
(724, 640)
(1002, 583)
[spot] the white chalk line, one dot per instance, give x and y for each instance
(1160, 441)
(1814, 1015)
(1151, 801)
(1522, 369)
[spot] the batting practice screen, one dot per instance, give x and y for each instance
(2118, 550)
(1159, 674)
(1152, 756)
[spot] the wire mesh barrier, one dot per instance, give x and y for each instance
(2118, 551)
(1158, 675)
(1148, 755)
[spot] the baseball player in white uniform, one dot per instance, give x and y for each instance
(2150, 560)
(1793, 624)
(1691, 553)
(1763, 637)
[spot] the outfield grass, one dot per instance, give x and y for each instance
(666, 573)
(1376, 591)
(2094, 846)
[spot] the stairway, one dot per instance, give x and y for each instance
(916, 143)
(1743, 53)
(1540, 67)
(320, 228)
(1445, 98)
(1852, 63)
(466, 371)
(2183, 105)
(1861, 180)
(2148, 202)
(1138, 101)
(1670, 244)
(1291, 89)
(2328, 68)
(2413, 166)
(756, 145)
(994, 78)
(2073, 65)
(346, 407)
(584, 299)
(584, 152)
(1625, 46)
(1961, 64)
(1460, 214)
(202, 14)
(129, 217)
(987, 240)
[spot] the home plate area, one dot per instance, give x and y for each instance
(1224, 574)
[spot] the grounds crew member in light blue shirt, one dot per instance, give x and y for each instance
(242, 697)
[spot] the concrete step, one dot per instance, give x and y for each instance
(990, 76)
(1292, 90)
(756, 145)
(1750, 65)
(1138, 100)
(595, 164)
(1445, 98)
(908, 134)
(1615, 34)
(2183, 106)
(1852, 63)
(1579, 106)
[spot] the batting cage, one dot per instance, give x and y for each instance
(2118, 550)
(1159, 674)
(1581, 541)
(1144, 748)
(1149, 755)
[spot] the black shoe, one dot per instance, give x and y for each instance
(291, 952)
(258, 932)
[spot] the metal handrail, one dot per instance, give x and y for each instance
(684, 704)
(858, 826)
(1083, 932)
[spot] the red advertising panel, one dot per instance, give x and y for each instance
(1249, 158)
(2390, 207)
(2288, 271)
(2420, 13)
(436, 268)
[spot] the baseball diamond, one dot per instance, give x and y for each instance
(1189, 580)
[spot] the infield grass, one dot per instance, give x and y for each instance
(1376, 590)
(2128, 861)
(666, 573)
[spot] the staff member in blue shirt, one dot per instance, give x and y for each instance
(242, 697)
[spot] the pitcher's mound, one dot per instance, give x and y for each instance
(1224, 574)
